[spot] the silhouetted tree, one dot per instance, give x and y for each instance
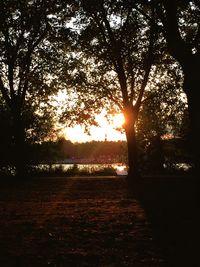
(27, 61)
(181, 24)
(162, 116)
(116, 44)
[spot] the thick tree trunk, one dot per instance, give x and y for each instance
(190, 64)
(19, 142)
(132, 153)
(133, 161)
(192, 89)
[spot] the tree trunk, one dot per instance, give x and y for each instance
(190, 64)
(191, 88)
(133, 162)
(19, 142)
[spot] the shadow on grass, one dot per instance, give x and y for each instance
(171, 206)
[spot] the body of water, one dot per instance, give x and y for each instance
(121, 169)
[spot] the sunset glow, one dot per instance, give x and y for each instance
(107, 130)
(121, 169)
(118, 120)
(111, 130)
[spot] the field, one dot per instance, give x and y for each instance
(96, 221)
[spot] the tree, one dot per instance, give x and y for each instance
(27, 61)
(5, 136)
(181, 26)
(116, 48)
(162, 116)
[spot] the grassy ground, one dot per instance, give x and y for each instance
(96, 222)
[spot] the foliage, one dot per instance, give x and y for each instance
(30, 34)
(180, 24)
(61, 149)
(122, 66)
(106, 55)
(162, 115)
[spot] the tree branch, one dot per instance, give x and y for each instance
(125, 23)
(148, 65)
(132, 77)
(9, 52)
(4, 93)
(117, 56)
(112, 98)
(148, 98)
(106, 44)
(31, 47)
(176, 45)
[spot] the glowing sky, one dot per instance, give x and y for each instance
(105, 130)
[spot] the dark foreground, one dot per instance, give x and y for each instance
(98, 222)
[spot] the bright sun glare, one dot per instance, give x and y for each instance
(107, 130)
(118, 120)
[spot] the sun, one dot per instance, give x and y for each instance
(109, 130)
(118, 120)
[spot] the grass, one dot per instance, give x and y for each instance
(73, 222)
(81, 221)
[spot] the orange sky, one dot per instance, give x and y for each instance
(105, 130)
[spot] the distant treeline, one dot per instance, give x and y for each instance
(102, 151)
(159, 153)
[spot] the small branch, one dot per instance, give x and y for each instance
(24, 79)
(132, 77)
(4, 93)
(18, 43)
(148, 98)
(114, 100)
(125, 23)
(117, 58)
(197, 37)
(197, 3)
(9, 51)
(106, 44)
(28, 59)
(110, 95)
(96, 19)
(32, 46)
(176, 45)
(149, 62)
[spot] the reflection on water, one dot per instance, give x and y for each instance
(178, 166)
(119, 168)
(90, 168)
